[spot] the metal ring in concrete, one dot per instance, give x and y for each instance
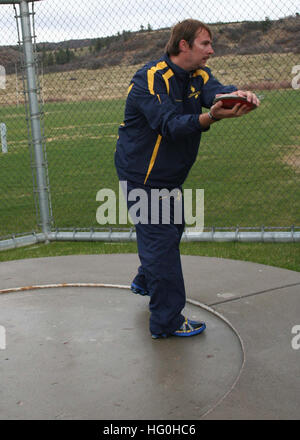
(82, 353)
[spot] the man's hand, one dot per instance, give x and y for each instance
(251, 97)
(220, 112)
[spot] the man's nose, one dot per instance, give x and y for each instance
(211, 51)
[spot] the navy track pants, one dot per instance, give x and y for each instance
(160, 271)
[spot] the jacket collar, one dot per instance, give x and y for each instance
(175, 68)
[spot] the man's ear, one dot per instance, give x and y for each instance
(183, 46)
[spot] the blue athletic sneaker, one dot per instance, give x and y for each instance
(139, 290)
(188, 328)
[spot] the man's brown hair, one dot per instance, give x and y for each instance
(184, 30)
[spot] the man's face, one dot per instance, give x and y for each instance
(201, 50)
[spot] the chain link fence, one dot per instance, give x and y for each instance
(87, 53)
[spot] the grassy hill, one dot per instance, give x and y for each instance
(251, 55)
(131, 48)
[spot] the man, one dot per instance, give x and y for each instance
(157, 145)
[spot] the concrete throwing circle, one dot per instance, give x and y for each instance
(82, 353)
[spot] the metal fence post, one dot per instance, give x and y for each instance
(35, 120)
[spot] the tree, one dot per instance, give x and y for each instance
(98, 45)
(50, 59)
(69, 55)
(266, 24)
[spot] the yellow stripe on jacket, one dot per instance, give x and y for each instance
(153, 157)
(150, 75)
(202, 73)
(166, 76)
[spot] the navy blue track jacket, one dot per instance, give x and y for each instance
(159, 139)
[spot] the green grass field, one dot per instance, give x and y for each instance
(284, 255)
(249, 167)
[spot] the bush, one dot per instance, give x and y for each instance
(221, 49)
(96, 64)
(233, 34)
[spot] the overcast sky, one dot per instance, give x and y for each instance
(58, 20)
